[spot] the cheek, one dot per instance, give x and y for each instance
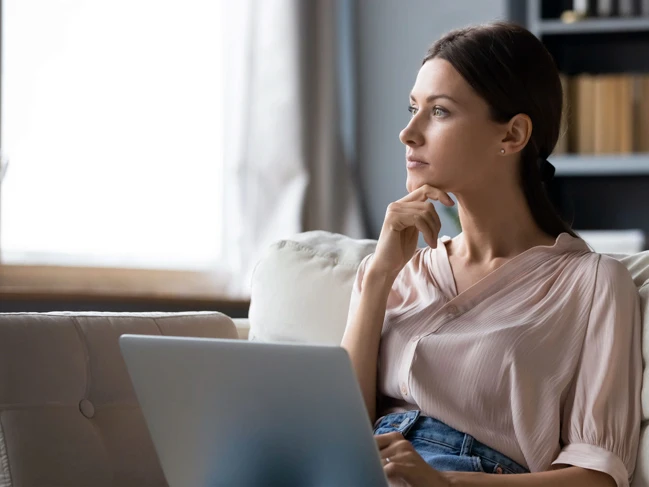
(457, 144)
(456, 149)
(447, 146)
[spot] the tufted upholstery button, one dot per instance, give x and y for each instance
(86, 408)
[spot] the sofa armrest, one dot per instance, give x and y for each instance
(243, 327)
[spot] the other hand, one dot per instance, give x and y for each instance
(405, 466)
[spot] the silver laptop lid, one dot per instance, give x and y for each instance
(245, 414)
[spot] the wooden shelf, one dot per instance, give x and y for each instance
(606, 165)
(593, 26)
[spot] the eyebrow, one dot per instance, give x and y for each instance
(434, 97)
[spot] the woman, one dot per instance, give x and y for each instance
(511, 348)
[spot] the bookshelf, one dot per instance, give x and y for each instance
(606, 188)
(571, 165)
(592, 26)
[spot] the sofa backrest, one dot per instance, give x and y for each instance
(68, 412)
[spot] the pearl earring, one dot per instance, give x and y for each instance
(502, 151)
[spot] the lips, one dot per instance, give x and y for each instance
(414, 163)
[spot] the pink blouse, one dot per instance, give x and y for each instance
(540, 360)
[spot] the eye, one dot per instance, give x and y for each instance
(413, 110)
(439, 112)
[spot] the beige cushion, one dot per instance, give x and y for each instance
(68, 413)
(641, 478)
(301, 288)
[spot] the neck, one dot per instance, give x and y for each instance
(496, 223)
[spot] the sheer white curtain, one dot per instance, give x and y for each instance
(287, 162)
(111, 120)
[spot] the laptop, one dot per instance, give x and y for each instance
(234, 413)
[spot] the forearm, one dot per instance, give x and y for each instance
(363, 335)
(565, 477)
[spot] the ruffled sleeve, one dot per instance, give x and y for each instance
(601, 417)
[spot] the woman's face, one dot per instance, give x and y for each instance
(451, 141)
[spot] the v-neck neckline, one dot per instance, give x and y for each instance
(563, 242)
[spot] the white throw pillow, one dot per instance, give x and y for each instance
(301, 288)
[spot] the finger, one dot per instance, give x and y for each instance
(433, 213)
(401, 466)
(400, 471)
(427, 207)
(429, 192)
(386, 439)
(416, 195)
(445, 199)
(425, 226)
(421, 215)
(401, 460)
(396, 449)
(422, 193)
(433, 220)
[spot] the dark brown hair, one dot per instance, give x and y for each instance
(514, 73)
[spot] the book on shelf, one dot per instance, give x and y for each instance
(563, 142)
(625, 8)
(604, 8)
(604, 133)
(608, 114)
(583, 126)
(641, 112)
(576, 10)
(625, 96)
(580, 7)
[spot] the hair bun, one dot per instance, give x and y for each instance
(546, 169)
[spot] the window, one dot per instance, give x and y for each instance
(111, 120)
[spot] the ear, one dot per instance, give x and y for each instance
(518, 133)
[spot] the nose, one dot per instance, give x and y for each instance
(411, 135)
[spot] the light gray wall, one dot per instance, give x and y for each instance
(393, 36)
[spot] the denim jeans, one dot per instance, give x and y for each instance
(445, 448)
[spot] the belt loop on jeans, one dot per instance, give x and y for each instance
(409, 420)
(467, 445)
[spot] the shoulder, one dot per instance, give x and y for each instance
(612, 273)
(574, 255)
(599, 272)
(614, 286)
(614, 297)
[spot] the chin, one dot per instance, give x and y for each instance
(413, 183)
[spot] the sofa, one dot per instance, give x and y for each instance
(68, 413)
